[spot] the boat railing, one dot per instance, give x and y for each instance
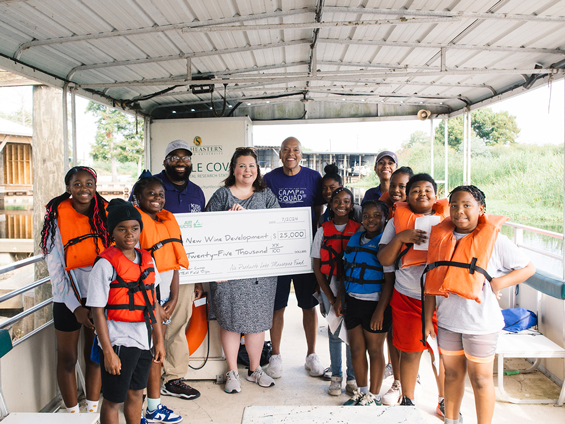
(17, 292)
(518, 238)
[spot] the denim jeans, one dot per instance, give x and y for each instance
(336, 349)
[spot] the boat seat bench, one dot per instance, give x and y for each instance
(532, 344)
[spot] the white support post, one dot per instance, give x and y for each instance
(189, 69)
(65, 130)
(469, 138)
(74, 127)
(445, 135)
(147, 141)
(464, 147)
(432, 147)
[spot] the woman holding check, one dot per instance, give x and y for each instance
(244, 306)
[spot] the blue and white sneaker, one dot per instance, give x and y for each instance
(162, 415)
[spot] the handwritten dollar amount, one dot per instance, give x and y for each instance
(284, 235)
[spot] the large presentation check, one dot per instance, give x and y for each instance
(246, 244)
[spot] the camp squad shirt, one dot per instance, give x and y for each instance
(294, 191)
(466, 316)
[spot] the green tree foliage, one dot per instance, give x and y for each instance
(22, 117)
(417, 137)
(494, 128)
(116, 138)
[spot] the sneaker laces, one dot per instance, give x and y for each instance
(395, 386)
(367, 398)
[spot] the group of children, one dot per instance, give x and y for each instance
(395, 277)
(114, 269)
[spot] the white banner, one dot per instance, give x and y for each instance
(246, 244)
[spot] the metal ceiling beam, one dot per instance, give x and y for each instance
(183, 56)
(261, 102)
(319, 25)
(465, 15)
(298, 42)
(269, 90)
(156, 29)
(438, 46)
(261, 68)
(321, 76)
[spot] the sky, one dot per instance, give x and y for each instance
(539, 113)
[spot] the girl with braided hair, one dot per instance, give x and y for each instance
(469, 262)
(74, 233)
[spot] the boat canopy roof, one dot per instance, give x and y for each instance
(286, 59)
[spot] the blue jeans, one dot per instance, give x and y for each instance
(336, 349)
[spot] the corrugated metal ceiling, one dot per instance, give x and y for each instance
(289, 59)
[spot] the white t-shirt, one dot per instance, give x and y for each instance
(128, 334)
(466, 316)
(407, 280)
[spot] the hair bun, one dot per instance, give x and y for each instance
(331, 169)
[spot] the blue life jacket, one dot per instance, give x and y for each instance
(363, 271)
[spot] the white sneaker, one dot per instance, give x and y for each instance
(351, 386)
(275, 366)
(313, 365)
(394, 394)
(368, 399)
(335, 386)
(388, 371)
(233, 384)
(259, 377)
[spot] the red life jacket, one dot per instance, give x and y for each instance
(404, 219)
(162, 238)
(333, 246)
(132, 293)
(460, 266)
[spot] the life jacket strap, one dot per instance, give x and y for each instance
(472, 267)
(78, 239)
(351, 249)
(404, 252)
(161, 243)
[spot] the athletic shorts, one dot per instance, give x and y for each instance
(360, 312)
(64, 319)
(304, 285)
(134, 374)
(479, 348)
(407, 323)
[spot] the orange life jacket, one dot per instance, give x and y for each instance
(162, 238)
(132, 293)
(460, 266)
(386, 198)
(333, 246)
(78, 240)
(404, 219)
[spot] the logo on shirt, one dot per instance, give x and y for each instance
(292, 195)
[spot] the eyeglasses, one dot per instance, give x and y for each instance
(178, 158)
(245, 148)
